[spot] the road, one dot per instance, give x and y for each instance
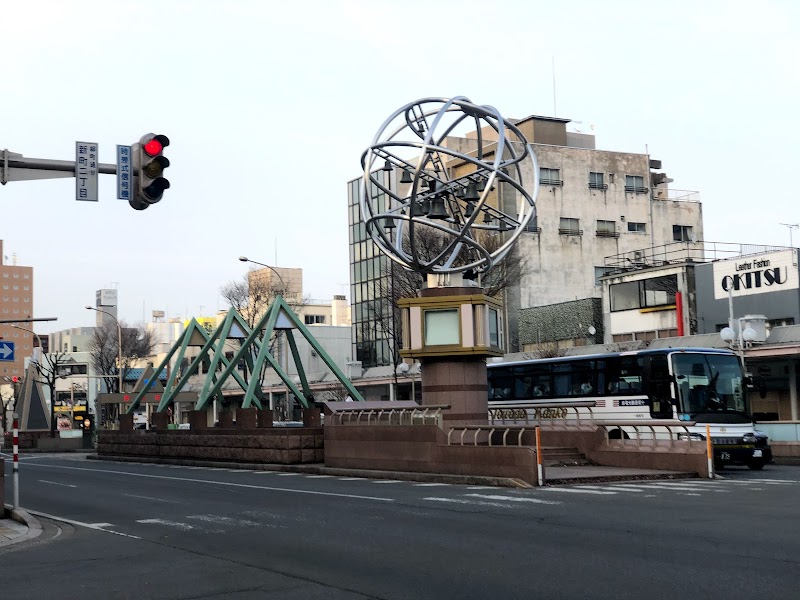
(125, 530)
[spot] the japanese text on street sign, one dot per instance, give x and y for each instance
(124, 173)
(86, 172)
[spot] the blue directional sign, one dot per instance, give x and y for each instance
(7, 351)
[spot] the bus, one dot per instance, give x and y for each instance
(695, 386)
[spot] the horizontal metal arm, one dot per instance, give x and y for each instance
(15, 167)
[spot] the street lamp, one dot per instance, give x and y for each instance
(119, 342)
(255, 262)
(38, 339)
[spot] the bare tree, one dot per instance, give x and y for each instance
(398, 282)
(137, 343)
(251, 296)
(49, 370)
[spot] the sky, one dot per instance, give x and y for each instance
(269, 106)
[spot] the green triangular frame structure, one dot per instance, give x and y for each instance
(278, 316)
(196, 335)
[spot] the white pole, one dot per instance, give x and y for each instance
(15, 467)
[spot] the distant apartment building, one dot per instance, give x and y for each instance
(16, 301)
(592, 204)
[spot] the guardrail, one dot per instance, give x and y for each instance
(645, 432)
(478, 429)
(424, 415)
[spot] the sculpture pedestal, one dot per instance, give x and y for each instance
(452, 329)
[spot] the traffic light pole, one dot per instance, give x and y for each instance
(15, 167)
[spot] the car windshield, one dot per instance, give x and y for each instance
(709, 383)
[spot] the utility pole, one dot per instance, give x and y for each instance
(791, 227)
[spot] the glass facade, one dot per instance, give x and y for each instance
(373, 312)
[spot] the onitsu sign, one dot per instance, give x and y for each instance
(757, 274)
(86, 172)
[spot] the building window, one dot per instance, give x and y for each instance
(635, 184)
(646, 293)
(569, 226)
(600, 272)
(315, 319)
(596, 181)
(636, 227)
(682, 233)
(607, 229)
(550, 176)
(533, 225)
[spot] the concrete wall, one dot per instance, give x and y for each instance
(422, 449)
(563, 321)
(290, 445)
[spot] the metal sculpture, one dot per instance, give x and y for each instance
(469, 197)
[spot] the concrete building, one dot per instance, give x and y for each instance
(16, 301)
(592, 204)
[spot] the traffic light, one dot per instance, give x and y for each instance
(15, 379)
(149, 165)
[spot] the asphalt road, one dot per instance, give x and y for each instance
(124, 530)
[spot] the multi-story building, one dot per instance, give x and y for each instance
(592, 204)
(16, 301)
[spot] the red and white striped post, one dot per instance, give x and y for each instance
(15, 467)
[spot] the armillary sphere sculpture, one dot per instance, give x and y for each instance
(457, 206)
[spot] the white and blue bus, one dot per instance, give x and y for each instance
(687, 385)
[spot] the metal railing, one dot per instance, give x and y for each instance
(424, 415)
(462, 434)
(682, 252)
(647, 432)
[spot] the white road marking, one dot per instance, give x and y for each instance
(176, 524)
(95, 526)
(480, 487)
(690, 494)
(286, 474)
(511, 498)
(56, 483)
(152, 499)
(219, 483)
(474, 502)
(430, 484)
(319, 476)
(351, 479)
(580, 491)
(386, 481)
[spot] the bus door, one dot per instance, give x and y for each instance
(659, 390)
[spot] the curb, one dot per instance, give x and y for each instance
(318, 469)
(23, 517)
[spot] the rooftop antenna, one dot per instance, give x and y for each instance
(555, 114)
(791, 227)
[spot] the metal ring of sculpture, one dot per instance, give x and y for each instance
(471, 200)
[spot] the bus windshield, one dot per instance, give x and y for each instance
(709, 383)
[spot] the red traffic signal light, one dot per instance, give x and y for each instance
(153, 147)
(15, 379)
(149, 164)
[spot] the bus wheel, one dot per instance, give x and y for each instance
(618, 434)
(756, 465)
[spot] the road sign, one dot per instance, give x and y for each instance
(86, 171)
(7, 351)
(124, 173)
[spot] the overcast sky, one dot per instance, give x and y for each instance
(269, 106)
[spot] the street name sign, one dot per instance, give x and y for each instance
(124, 173)
(86, 171)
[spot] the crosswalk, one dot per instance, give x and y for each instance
(686, 487)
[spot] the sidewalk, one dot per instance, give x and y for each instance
(17, 526)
